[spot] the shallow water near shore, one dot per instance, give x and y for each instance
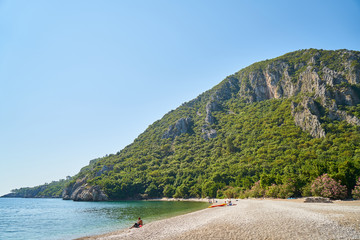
(58, 219)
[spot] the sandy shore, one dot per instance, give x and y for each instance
(255, 219)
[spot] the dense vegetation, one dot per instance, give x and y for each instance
(256, 142)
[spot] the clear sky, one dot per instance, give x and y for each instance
(82, 79)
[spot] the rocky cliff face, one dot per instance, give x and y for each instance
(329, 78)
(81, 191)
(306, 115)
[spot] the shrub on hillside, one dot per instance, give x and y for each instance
(325, 186)
(285, 190)
(306, 190)
(272, 191)
(356, 191)
(230, 192)
(256, 191)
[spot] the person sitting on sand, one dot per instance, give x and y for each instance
(138, 224)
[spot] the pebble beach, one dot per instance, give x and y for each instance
(254, 219)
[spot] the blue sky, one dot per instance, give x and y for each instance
(82, 79)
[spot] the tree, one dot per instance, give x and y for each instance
(181, 191)
(230, 145)
(209, 189)
(152, 190)
(169, 191)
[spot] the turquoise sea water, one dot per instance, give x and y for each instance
(58, 219)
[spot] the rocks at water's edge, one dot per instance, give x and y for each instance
(81, 191)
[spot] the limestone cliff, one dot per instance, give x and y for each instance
(306, 115)
(81, 191)
(330, 78)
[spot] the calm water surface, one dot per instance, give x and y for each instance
(58, 219)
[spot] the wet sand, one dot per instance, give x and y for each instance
(255, 219)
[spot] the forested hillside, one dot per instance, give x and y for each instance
(270, 129)
(48, 190)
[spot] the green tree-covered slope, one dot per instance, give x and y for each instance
(292, 118)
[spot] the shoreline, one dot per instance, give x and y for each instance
(186, 199)
(205, 200)
(253, 219)
(164, 199)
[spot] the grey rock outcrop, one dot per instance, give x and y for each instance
(207, 134)
(211, 107)
(104, 169)
(81, 191)
(306, 115)
(339, 115)
(183, 125)
(206, 130)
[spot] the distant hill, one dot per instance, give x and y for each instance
(48, 190)
(285, 120)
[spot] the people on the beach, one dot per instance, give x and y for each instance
(138, 224)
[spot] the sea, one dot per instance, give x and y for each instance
(55, 219)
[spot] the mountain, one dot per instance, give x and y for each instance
(279, 122)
